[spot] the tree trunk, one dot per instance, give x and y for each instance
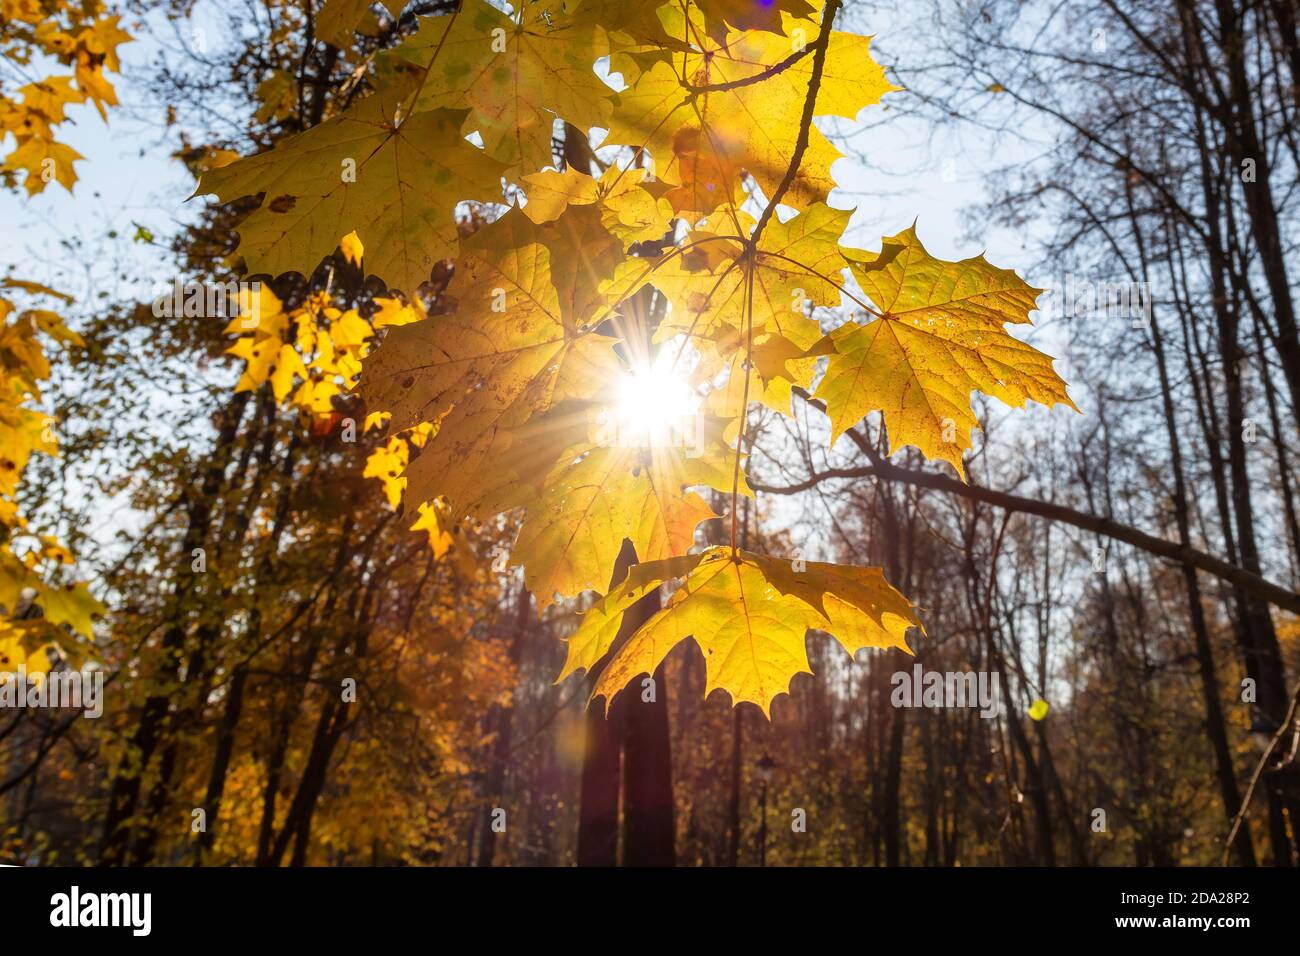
(648, 779)
(503, 721)
(733, 795)
(648, 825)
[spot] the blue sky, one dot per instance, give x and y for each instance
(126, 176)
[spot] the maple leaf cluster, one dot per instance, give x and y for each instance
(84, 38)
(672, 250)
(310, 356)
(28, 558)
(79, 36)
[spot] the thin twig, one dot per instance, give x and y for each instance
(1281, 732)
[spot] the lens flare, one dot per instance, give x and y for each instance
(654, 405)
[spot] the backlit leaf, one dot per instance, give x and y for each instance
(749, 615)
(940, 337)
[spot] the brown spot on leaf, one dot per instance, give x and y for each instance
(282, 203)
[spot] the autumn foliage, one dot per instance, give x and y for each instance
(706, 245)
(36, 600)
(414, 412)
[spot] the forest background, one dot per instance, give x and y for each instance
(1137, 161)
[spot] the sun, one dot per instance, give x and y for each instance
(654, 405)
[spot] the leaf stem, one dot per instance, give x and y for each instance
(759, 77)
(839, 287)
(805, 123)
(744, 401)
(751, 251)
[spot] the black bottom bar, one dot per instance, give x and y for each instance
(531, 907)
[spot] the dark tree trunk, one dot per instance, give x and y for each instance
(891, 812)
(503, 720)
(648, 824)
(733, 794)
(598, 811)
(648, 804)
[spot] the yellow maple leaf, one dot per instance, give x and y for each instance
(509, 329)
(795, 267)
(748, 613)
(516, 76)
(71, 604)
(627, 209)
(96, 52)
(394, 183)
(387, 462)
(51, 96)
(19, 652)
(433, 521)
(338, 19)
(44, 161)
(940, 336)
(748, 15)
(573, 532)
(348, 331)
(35, 288)
(278, 96)
(734, 105)
(394, 311)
